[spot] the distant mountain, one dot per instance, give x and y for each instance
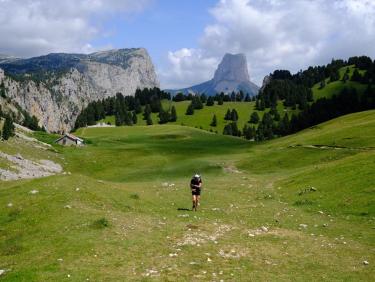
(56, 87)
(231, 75)
(7, 59)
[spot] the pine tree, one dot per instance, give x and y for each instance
(214, 121)
(210, 101)
(134, 117)
(173, 116)
(8, 128)
(147, 112)
(228, 130)
(220, 101)
(254, 118)
(247, 98)
(164, 116)
(149, 120)
(197, 103)
(203, 98)
(128, 118)
(190, 109)
(118, 119)
(137, 106)
(322, 84)
(356, 76)
(234, 115)
(228, 115)
(2, 90)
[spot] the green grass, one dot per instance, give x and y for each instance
(202, 118)
(121, 211)
(334, 88)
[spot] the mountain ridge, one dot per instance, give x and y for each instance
(55, 87)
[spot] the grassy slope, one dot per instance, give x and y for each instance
(120, 177)
(202, 118)
(334, 88)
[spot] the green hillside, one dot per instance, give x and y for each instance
(334, 88)
(120, 210)
(202, 118)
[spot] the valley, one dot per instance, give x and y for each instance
(278, 210)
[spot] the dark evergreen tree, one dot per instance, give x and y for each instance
(227, 129)
(356, 76)
(254, 118)
(322, 84)
(164, 116)
(128, 118)
(228, 115)
(137, 106)
(173, 116)
(334, 75)
(234, 115)
(2, 90)
(220, 101)
(284, 125)
(190, 109)
(8, 128)
(203, 98)
(210, 101)
(118, 119)
(247, 98)
(149, 120)
(214, 121)
(146, 112)
(197, 103)
(134, 117)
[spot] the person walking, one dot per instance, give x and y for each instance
(196, 186)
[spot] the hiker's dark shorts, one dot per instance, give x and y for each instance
(196, 192)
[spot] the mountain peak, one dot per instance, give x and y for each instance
(233, 67)
(230, 75)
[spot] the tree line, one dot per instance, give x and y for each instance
(126, 108)
(220, 98)
(272, 125)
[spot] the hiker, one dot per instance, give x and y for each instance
(196, 185)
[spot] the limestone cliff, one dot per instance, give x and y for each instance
(231, 75)
(56, 87)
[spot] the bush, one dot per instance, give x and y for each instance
(101, 223)
(134, 196)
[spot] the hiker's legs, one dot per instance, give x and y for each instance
(198, 199)
(194, 202)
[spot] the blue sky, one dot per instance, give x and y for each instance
(163, 25)
(187, 38)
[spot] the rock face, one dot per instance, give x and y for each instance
(56, 87)
(231, 75)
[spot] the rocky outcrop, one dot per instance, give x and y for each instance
(56, 87)
(231, 75)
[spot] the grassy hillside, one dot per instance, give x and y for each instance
(120, 210)
(334, 88)
(202, 118)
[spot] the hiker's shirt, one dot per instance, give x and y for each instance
(194, 182)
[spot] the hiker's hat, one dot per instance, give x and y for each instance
(197, 176)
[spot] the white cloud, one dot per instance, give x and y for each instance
(186, 65)
(275, 34)
(29, 28)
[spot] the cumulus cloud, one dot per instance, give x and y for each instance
(29, 28)
(276, 34)
(186, 65)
